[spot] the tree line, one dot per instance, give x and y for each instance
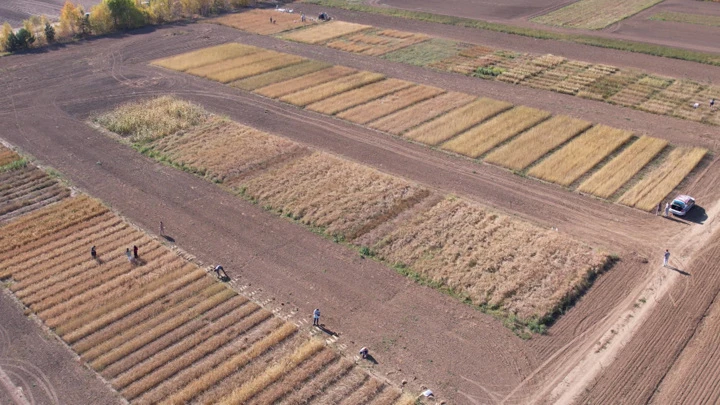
(108, 16)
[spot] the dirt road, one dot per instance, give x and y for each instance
(36, 368)
(419, 334)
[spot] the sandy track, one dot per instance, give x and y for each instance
(41, 369)
(414, 329)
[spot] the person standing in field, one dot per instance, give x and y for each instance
(666, 258)
(316, 317)
(162, 229)
(667, 209)
(129, 255)
(659, 207)
(93, 253)
(135, 251)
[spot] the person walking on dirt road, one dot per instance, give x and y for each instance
(316, 317)
(162, 229)
(666, 258)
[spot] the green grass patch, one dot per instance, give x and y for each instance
(697, 19)
(425, 53)
(623, 45)
(18, 164)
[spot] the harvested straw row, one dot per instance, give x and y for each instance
(280, 75)
(646, 194)
(299, 83)
(233, 364)
(322, 91)
(324, 32)
(400, 121)
(212, 69)
(480, 139)
(206, 56)
(267, 65)
(325, 378)
(580, 155)
(383, 106)
(535, 143)
(458, 120)
(155, 354)
(343, 101)
(606, 181)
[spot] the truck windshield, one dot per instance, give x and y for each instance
(678, 205)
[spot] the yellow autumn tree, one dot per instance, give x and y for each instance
(4, 35)
(71, 18)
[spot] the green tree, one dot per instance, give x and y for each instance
(125, 14)
(49, 33)
(22, 40)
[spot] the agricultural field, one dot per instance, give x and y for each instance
(258, 21)
(376, 213)
(325, 32)
(585, 14)
(686, 18)
(612, 84)
(376, 42)
(160, 329)
(517, 137)
(24, 187)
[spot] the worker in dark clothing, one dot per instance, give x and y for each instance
(93, 253)
(218, 269)
(135, 252)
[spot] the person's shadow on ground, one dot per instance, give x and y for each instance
(169, 238)
(370, 358)
(684, 273)
(326, 330)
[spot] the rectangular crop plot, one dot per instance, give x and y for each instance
(7, 156)
(381, 107)
(606, 181)
(331, 88)
(535, 143)
(321, 190)
(362, 95)
(280, 89)
(229, 64)
(580, 155)
(647, 193)
(491, 258)
(594, 14)
(206, 56)
(399, 122)
(280, 75)
(456, 121)
(326, 31)
(376, 42)
(258, 21)
(480, 139)
(277, 62)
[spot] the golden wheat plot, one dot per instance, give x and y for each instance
(266, 65)
(323, 32)
(258, 21)
(331, 88)
(339, 196)
(480, 139)
(580, 155)
(362, 95)
(383, 106)
(213, 69)
(224, 151)
(657, 184)
(536, 142)
(280, 75)
(606, 181)
(400, 121)
(458, 120)
(280, 89)
(7, 156)
(491, 258)
(206, 56)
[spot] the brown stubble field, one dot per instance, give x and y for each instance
(564, 345)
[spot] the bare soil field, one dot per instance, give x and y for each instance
(15, 11)
(635, 28)
(280, 262)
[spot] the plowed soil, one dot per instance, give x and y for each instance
(15, 11)
(414, 332)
